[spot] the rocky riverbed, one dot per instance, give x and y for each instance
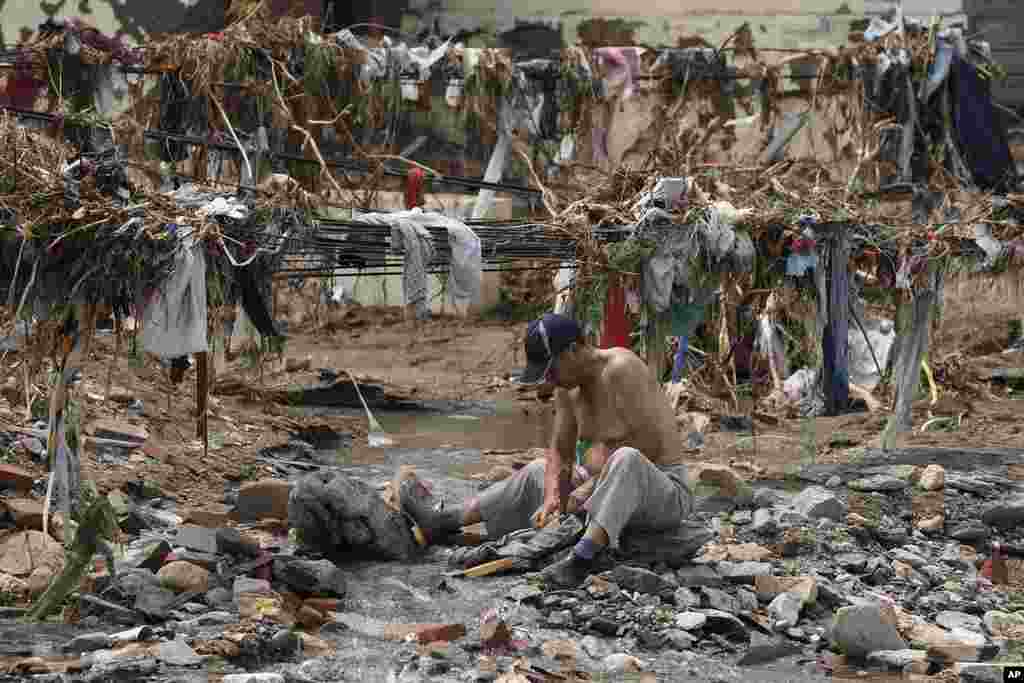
(907, 563)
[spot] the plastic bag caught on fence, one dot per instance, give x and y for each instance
(174, 320)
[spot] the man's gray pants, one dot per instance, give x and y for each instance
(634, 494)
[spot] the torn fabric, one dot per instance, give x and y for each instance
(174, 320)
(410, 238)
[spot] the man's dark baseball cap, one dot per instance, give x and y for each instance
(545, 339)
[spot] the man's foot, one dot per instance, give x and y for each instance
(418, 503)
(572, 570)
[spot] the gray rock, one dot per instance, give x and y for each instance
(954, 620)
(88, 642)
(244, 584)
(815, 502)
(639, 580)
(698, 575)
(135, 581)
(980, 673)
(155, 603)
(686, 598)
(232, 542)
(1004, 514)
(764, 522)
(834, 482)
(679, 639)
(177, 653)
(766, 498)
(595, 648)
(725, 624)
(338, 514)
(969, 532)
(747, 599)
(909, 557)
(878, 482)
(858, 630)
(784, 610)
(561, 618)
(768, 652)
(896, 659)
(690, 621)
(219, 598)
(320, 577)
(852, 562)
(744, 572)
(197, 538)
(720, 600)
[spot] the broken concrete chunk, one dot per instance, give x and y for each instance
(858, 630)
(816, 502)
(321, 577)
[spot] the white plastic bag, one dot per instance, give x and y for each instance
(174, 321)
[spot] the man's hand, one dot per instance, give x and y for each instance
(551, 506)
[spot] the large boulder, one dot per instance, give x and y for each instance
(344, 517)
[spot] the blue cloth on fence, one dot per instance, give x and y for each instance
(979, 134)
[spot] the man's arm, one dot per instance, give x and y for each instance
(562, 455)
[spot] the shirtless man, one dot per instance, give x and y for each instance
(609, 399)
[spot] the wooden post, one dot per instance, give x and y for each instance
(202, 394)
(835, 340)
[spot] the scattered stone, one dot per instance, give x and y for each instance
(560, 618)
(744, 572)
(816, 502)
(248, 586)
(769, 587)
(858, 630)
(896, 659)
(263, 499)
(639, 580)
(764, 522)
(933, 478)
(958, 620)
(720, 600)
(177, 653)
(25, 553)
(970, 532)
(725, 624)
(234, 542)
(211, 516)
(26, 513)
(620, 663)
(878, 483)
(834, 482)
(321, 577)
(1005, 514)
(16, 478)
(184, 577)
(690, 621)
(698, 575)
(197, 538)
(679, 639)
(784, 610)
(88, 642)
(758, 655)
(686, 598)
(155, 602)
(852, 562)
